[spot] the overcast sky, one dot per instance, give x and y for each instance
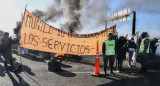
(148, 15)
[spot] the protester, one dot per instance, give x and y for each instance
(5, 50)
(144, 50)
(154, 44)
(108, 50)
(121, 52)
(131, 49)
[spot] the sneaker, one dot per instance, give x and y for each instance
(112, 73)
(129, 66)
(13, 69)
(118, 71)
(105, 75)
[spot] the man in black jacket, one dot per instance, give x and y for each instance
(5, 50)
(154, 44)
(131, 49)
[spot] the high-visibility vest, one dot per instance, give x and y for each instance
(110, 47)
(142, 46)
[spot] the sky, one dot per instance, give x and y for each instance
(147, 19)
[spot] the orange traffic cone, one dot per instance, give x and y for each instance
(97, 67)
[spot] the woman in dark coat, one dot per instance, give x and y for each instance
(121, 52)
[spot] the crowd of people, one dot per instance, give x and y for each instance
(113, 48)
(117, 49)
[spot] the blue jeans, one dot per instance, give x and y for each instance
(120, 62)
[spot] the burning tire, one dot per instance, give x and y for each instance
(54, 69)
(54, 65)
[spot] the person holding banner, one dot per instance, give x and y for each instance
(5, 51)
(108, 50)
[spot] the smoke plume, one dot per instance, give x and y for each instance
(95, 13)
(52, 13)
(17, 28)
(78, 13)
(71, 9)
(89, 14)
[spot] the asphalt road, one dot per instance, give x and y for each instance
(75, 73)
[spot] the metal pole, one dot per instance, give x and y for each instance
(134, 22)
(22, 20)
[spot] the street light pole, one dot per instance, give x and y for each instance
(134, 22)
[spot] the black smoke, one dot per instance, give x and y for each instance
(79, 14)
(17, 28)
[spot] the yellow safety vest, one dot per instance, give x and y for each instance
(110, 47)
(142, 46)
